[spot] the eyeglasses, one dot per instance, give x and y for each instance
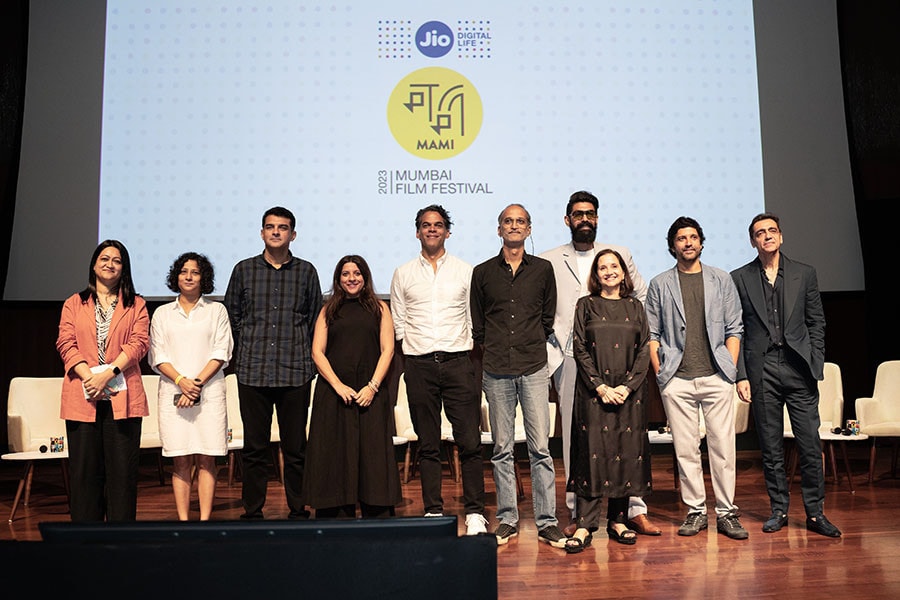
(580, 215)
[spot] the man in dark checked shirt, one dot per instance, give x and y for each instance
(273, 300)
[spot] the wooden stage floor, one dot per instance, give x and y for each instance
(790, 563)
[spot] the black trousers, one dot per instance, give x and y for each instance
(589, 511)
(787, 381)
(433, 381)
(104, 458)
(291, 405)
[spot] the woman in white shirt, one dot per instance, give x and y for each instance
(190, 344)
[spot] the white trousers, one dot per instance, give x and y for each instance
(685, 400)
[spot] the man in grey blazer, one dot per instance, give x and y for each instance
(782, 357)
(571, 267)
(695, 337)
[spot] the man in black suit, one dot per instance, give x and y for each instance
(781, 359)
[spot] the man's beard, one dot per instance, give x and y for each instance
(584, 233)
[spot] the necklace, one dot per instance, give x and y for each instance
(105, 300)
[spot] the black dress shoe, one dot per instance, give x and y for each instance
(822, 526)
(775, 522)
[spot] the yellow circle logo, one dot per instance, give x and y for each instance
(435, 113)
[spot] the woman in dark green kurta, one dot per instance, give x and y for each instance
(610, 451)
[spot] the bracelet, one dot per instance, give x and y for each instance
(179, 378)
(374, 385)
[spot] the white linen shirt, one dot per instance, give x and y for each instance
(431, 309)
(189, 341)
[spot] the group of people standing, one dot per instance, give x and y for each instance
(579, 317)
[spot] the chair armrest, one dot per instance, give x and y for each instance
(869, 411)
(402, 425)
(741, 416)
(19, 434)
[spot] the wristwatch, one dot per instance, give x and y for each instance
(116, 370)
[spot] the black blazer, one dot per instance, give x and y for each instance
(804, 318)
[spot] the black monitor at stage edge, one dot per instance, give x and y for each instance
(245, 531)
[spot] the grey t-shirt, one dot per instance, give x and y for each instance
(698, 359)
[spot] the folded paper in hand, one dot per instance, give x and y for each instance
(116, 384)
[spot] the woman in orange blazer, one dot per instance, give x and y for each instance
(103, 335)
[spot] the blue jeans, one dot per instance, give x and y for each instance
(532, 392)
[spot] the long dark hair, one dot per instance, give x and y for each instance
(367, 297)
(126, 285)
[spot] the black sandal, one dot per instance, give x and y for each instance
(574, 545)
(628, 537)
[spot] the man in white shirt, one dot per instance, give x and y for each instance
(571, 266)
(430, 307)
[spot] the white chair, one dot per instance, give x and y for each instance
(406, 434)
(741, 425)
(831, 416)
(519, 435)
(236, 429)
(235, 425)
(404, 428)
(32, 420)
(32, 414)
(150, 440)
(879, 415)
(831, 400)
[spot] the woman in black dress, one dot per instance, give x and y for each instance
(610, 451)
(350, 457)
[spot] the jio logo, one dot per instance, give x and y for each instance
(434, 39)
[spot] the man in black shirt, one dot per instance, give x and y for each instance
(513, 301)
(782, 356)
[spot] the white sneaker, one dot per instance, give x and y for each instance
(434, 514)
(475, 524)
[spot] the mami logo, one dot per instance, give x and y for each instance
(435, 113)
(434, 39)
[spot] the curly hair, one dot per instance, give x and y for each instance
(207, 273)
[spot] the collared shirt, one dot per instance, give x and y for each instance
(190, 340)
(512, 314)
(774, 296)
(430, 309)
(272, 313)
